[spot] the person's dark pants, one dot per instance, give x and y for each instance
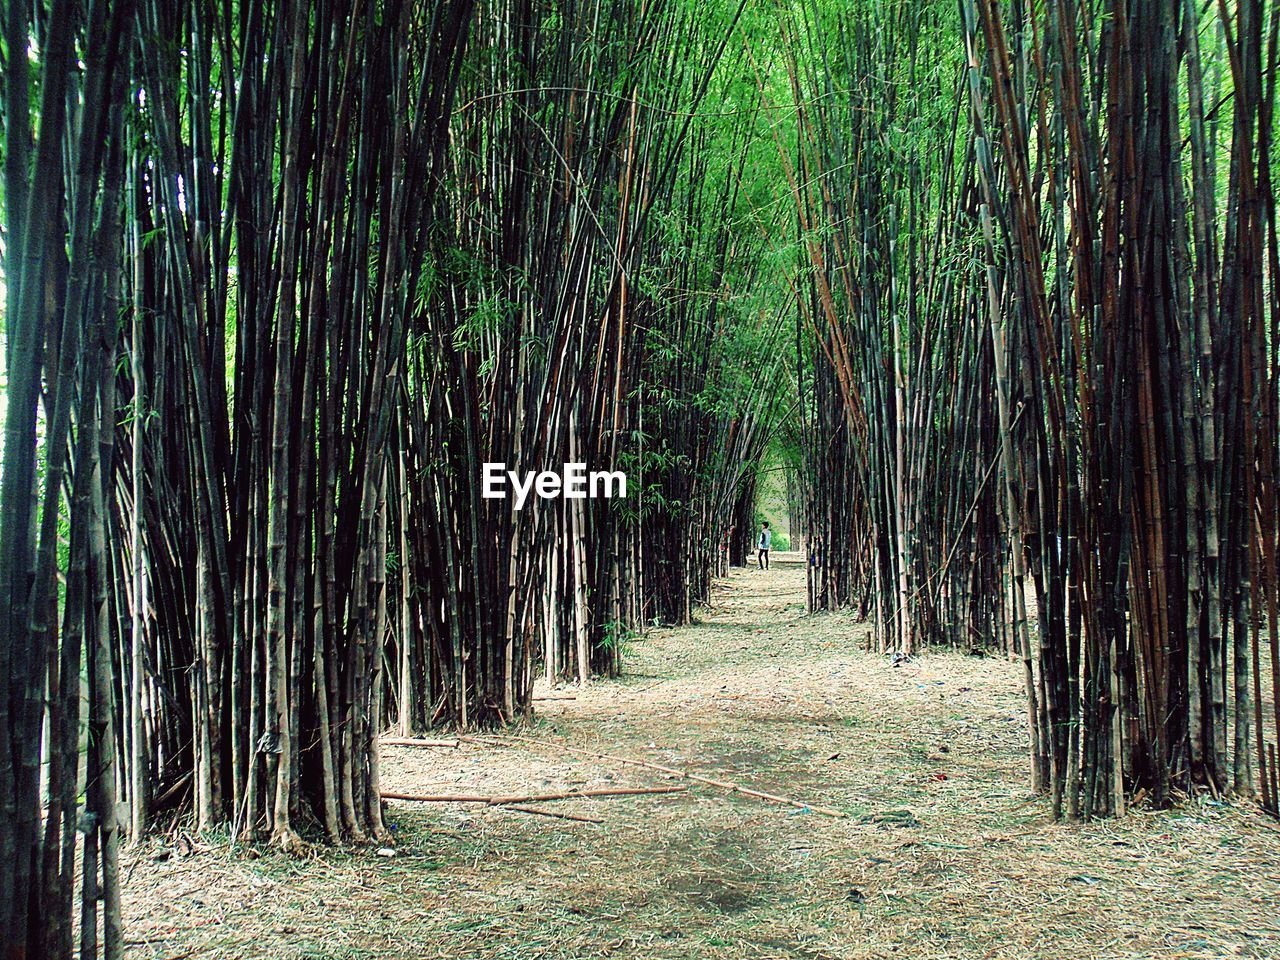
(763, 559)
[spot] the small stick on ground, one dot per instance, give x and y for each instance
(418, 742)
(552, 813)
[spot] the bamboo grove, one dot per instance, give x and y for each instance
(279, 278)
(1038, 265)
(995, 283)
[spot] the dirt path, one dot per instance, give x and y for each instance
(942, 853)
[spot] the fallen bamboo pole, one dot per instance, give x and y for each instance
(418, 742)
(529, 797)
(552, 813)
(437, 797)
(590, 792)
(674, 771)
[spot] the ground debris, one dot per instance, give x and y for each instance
(967, 870)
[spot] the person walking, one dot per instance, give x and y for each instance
(766, 541)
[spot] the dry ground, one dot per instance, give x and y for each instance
(942, 853)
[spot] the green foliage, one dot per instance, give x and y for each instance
(618, 637)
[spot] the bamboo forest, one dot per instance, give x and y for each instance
(643, 479)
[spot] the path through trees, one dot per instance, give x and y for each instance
(941, 852)
(988, 292)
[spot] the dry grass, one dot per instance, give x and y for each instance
(942, 855)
